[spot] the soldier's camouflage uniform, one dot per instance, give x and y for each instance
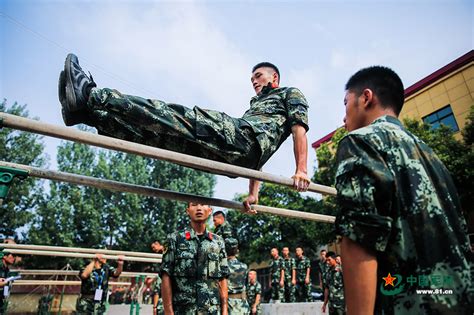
(278, 292)
(157, 291)
(4, 273)
(252, 291)
(335, 284)
(248, 141)
(224, 230)
(323, 269)
(236, 284)
(398, 200)
(99, 278)
(289, 266)
(195, 265)
(303, 290)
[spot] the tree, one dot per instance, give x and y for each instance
(23, 148)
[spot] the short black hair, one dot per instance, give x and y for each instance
(218, 212)
(383, 81)
(331, 254)
(268, 65)
(323, 250)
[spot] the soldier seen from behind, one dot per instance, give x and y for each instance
(303, 280)
(399, 214)
(237, 281)
(94, 285)
(334, 287)
(194, 270)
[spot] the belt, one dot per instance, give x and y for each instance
(241, 295)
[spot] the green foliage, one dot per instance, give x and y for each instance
(88, 217)
(259, 233)
(325, 154)
(23, 148)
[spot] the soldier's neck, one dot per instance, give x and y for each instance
(198, 227)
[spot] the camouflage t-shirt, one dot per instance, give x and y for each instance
(288, 266)
(224, 230)
(398, 200)
(99, 278)
(272, 114)
(238, 276)
(276, 266)
(301, 266)
(252, 291)
(335, 284)
(195, 266)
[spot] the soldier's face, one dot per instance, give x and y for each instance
(198, 213)
(252, 276)
(331, 261)
(355, 113)
(218, 219)
(299, 252)
(9, 259)
(156, 247)
(261, 77)
(285, 251)
(323, 255)
(338, 260)
(274, 252)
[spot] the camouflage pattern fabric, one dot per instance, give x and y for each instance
(99, 278)
(236, 283)
(4, 273)
(303, 290)
(252, 291)
(224, 230)
(248, 141)
(195, 265)
(157, 290)
(44, 304)
(323, 269)
(276, 266)
(398, 200)
(87, 306)
(289, 266)
(334, 283)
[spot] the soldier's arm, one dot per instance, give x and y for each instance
(88, 270)
(326, 299)
(282, 277)
(359, 296)
(254, 186)
(300, 149)
(293, 276)
(308, 271)
(167, 294)
(119, 269)
(223, 292)
(257, 300)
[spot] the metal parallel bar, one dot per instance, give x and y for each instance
(79, 255)
(82, 250)
(72, 134)
(161, 193)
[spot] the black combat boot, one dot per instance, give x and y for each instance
(73, 91)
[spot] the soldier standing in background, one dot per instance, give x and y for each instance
(194, 268)
(237, 281)
(254, 293)
(221, 226)
(94, 285)
(277, 278)
(7, 260)
(290, 276)
(322, 268)
(156, 247)
(303, 280)
(334, 287)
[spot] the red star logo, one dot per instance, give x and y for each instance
(389, 280)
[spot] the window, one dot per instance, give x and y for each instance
(443, 116)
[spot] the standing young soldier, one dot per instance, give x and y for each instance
(290, 275)
(400, 216)
(303, 280)
(194, 268)
(237, 281)
(7, 260)
(277, 278)
(334, 287)
(94, 285)
(254, 293)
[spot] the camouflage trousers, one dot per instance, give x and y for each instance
(336, 310)
(303, 292)
(204, 133)
(278, 293)
(258, 309)
(3, 305)
(89, 306)
(194, 310)
(238, 306)
(289, 296)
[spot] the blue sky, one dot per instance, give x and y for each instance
(201, 52)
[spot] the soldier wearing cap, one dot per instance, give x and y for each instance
(254, 293)
(237, 282)
(221, 226)
(277, 278)
(7, 260)
(194, 270)
(94, 285)
(290, 275)
(303, 280)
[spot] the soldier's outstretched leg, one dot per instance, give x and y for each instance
(204, 133)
